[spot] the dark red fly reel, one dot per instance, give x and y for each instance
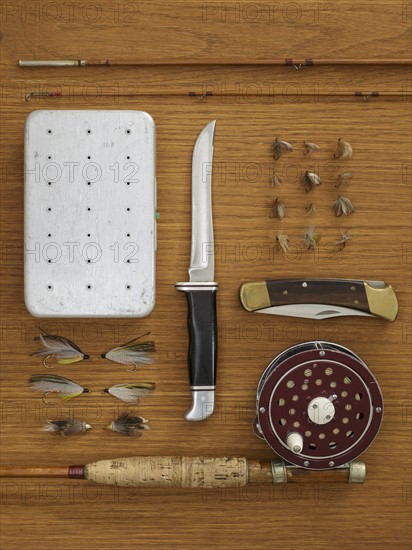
(318, 405)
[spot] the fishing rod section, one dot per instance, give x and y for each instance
(287, 62)
(189, 472)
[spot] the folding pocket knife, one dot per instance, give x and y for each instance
(320, 298)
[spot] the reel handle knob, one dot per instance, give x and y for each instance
(295, 442)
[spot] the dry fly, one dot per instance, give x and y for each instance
(67, 427)
(276, 180)
(310, 179)
(132, 353)
(131, 393)
(63, 350)
(344, 150)
(310, 147)
(278, 209)
(344, 239)
(343, 206)
(343, 179)
(283, 242)
(311, 209)
(128, 425)
(52, 384)
(311, 238)
(279, 147)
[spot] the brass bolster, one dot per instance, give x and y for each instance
(382, 301)
(254, 295)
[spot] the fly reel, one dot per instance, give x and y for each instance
(318, 406)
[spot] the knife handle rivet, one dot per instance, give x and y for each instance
(285, 293)
(356, 301)
(304, 285)
(262, 409)
(353, 288)
(322, 353)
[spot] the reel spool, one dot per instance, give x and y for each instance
(318, 405)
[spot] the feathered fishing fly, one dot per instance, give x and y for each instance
(279, 147)
(310, 147)
(310, 209)
(276, 179)
(131, 393)
(343, 179)
(63, 350)
(344, 150)
(309, 180)
(67, 427)
(345, 237)
(52, 384)
(312, 238)
(282, 242)
(128, 425)
(132, 353)
(278, 209)
(343, 206)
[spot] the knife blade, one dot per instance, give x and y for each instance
(201, 289)
(320, 298)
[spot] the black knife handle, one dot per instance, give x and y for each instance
(202, 321)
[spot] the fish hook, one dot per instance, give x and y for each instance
(133, 369)
(44, 398)
(45, 363)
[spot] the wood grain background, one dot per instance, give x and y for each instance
(257, 104)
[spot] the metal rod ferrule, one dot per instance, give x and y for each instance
(279, 472)
(53, 63)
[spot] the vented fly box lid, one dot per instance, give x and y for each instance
(90, 206)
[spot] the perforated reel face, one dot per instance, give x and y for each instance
(318, 405)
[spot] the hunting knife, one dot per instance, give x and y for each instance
(201, 289)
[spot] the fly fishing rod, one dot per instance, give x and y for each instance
(288, 62)
(204, 95)
(190, 472)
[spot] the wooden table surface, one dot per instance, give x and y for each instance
(252, 105)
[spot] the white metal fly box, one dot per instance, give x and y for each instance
(89, 213)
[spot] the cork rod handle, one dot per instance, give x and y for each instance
(169, 471)
(191, 472)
